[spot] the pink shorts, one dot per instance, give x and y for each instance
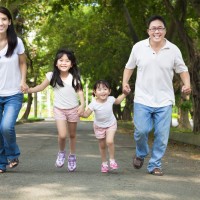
(100, 132)
(71, 115)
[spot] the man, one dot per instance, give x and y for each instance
(156, 59)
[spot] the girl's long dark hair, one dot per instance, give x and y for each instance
(11, 34)
(76, 81)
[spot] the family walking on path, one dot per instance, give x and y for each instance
(156, 59)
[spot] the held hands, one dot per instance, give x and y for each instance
(186, 90)
(81, 110)
(126, 89)
(24, 87)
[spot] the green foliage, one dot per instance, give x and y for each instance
(25, 99)
(97, 31)
(186, 105)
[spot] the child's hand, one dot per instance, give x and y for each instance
(81, 110)
(24, 87)
(126, 89)
(29, 90)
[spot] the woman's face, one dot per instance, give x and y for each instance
(4, 23)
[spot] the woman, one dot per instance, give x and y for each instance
(12, 86)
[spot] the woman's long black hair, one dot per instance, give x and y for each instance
(76, 81)
(11, 34)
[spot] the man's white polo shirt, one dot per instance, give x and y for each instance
(155, 71)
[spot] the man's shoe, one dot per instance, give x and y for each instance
(137, 162)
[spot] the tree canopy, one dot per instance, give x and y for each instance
(102, 33)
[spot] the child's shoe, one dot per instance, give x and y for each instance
(113, 165)
(60, 159)
(71, 163)
(104, 168)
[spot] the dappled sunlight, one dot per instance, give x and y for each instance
(91, 156)
(40, 190)
(143, 194)
(35, 135)
(187, 156)
(180, 179)
(195, 157)
(48, 190)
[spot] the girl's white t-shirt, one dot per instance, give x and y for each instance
(64, 97)
(10, 74)
(104, 116)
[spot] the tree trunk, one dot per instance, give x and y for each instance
(28, 108)
(183, 121)
(128, 109)
(130, 24)
(194, 57)
(195, 79)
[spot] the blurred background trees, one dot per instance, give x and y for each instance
(102, 33)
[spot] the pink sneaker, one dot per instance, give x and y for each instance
(104, 168)
(113, 165)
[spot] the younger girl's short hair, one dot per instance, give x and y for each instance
(100, 82)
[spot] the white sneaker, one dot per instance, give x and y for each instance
(71, 163)
(60, 159)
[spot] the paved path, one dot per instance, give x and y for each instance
(36, 178)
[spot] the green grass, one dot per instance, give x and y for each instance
(127, 127)
(180, 130)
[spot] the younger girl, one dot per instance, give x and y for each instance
(65, 80)
(105, 123)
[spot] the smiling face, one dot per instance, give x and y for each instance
(156, 31)
(4, 23)
(63, 63)
(102, 92)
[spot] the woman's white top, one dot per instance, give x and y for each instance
(10, 74)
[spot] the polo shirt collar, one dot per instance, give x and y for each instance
(167, 44)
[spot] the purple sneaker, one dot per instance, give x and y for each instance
(71, 163)
(60, 159)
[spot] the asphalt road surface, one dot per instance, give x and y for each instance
(37, 178)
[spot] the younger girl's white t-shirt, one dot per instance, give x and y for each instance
(64, 97)
(104, 116)
(10, 74)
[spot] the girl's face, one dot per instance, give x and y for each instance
(64, 64)
(102, 92)
(4, 23)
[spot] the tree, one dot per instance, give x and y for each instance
(194, 57)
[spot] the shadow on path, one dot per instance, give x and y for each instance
(36, 178)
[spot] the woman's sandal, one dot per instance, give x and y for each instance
(157, 172)
(2, 171)
(13, 163)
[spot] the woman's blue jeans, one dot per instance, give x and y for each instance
(145, 119)
(9, 110)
